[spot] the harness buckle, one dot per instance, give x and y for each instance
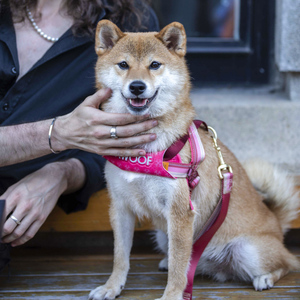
(192, 177)
(192, 174)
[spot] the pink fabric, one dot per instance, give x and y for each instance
(151, 164)
(208, 232)
(155, 163)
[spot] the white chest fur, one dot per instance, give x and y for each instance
(145, 195)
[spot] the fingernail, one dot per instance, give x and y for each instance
(153, 137)
(142, 153)
(154, 123)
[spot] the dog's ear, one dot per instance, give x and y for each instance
(107, 35)
(174, 38)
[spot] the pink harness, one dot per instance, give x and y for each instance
(168, 163)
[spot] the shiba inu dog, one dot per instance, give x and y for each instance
(148, 75)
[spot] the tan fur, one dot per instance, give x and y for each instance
(277, 188)
(248, 245)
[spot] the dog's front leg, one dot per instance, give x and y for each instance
(122, 221)
(180, 235)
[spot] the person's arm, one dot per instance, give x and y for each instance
(86, 128)
(23, 142)
(33, 198)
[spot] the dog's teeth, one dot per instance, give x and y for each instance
(138, 102)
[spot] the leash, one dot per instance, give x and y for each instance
(213, 223)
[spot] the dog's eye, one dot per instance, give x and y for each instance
(123, 65)
(155, 65)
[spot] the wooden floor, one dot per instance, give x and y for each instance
(43, 274)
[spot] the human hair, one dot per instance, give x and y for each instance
(128, 14)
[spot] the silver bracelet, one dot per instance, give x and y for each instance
(50, 132)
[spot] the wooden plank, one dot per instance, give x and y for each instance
(134, 281)
(94, 218)
(69, 277)
(296, 223)
(148, 294)
(71, 267)
(217, 294)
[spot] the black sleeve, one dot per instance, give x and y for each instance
(94, 168)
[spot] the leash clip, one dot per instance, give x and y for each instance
(223, 166)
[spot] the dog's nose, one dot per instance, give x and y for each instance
(137, 87)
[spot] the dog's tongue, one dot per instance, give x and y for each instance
(137, 102)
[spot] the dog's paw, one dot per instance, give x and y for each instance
(263, 282)
(163, 265)
(105, 293)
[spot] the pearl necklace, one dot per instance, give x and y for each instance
(38, 29)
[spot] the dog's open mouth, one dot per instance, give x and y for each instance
(139, 104)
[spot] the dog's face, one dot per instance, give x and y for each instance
(145, 71)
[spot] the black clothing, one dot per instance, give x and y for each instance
(54, 86)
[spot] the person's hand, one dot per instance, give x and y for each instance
(88, 128)
(30, 201)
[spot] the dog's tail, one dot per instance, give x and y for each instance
(278, 189)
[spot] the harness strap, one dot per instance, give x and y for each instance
(208, 231)
(188, 171)
(174, 149)
(197, 154)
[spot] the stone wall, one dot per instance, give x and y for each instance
(287, 45)
(253, 123)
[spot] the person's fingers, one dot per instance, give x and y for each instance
(26, 216)
(15, 234)
(9, 227)
(111, 118)
(129, 142)
(96, 99)
(114, 119)
(10, 203)
(132, 129)
(28, 235)
(124, 152)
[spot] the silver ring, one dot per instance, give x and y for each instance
(15, 219)
(113, 132)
